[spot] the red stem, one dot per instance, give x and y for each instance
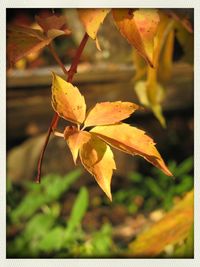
(55, 119)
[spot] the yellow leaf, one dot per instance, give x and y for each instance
(139, 29)
(97, 158)
(75, 139)
(92, 18)
(109, 113)
(133, 141)
(166, 62)
(171, 229)
(67, 101)
(158, 95)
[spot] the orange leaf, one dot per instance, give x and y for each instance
(92, 18)
(139, 29)
(75, 139)
(67, 101)
(109, 113)
(97, 158)
(23, 41)
(171, 229)
(132, 141)
(53, 22)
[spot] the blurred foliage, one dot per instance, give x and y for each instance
(38, 226)
(173, 228)
(41, 231)
(157, 190)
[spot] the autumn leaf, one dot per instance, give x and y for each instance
(75, 140)
(23, 41)
(53, 26)
(171, 229)
(151, 92)
(93, 147)
(97, 158)
(139, 29)
(133, 141)
(67, 101)
(52, 22)
(157, 92)
(109, 113)
(92, 18)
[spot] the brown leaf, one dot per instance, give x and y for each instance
(53, 22)
(109, 113)
(67, 101)
(75, 139)
(23, 41)
(171, 229)
(133, 141)
(97, 157)
(139, 29)
(92, 18)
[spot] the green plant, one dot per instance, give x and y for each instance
(157, 190)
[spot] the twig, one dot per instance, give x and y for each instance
(55, 55)
(70, 75)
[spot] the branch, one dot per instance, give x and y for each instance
(70, 75)
(55, 55)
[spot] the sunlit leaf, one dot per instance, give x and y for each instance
(139, 29)
(53, 22)
(139, 66)
(92, 18)
(166, 62)
(109, 113)
(97, 157)
(133, 141)
(75, 140)
(67, 101)
(141, 91)
(171, 229)
(23, 41)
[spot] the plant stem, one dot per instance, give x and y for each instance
(70, 75)
(55, 55)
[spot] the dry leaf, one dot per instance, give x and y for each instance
(171, 229)
(133, 141)
(67, 101)
(97, 157)
(109, 113)
(23, 41)
(92, 18)
(139, 29)
(53, 23)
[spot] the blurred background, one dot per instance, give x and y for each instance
(68, 215)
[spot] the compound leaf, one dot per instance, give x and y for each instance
(133, 141)
(67, 101)
(109, 113)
